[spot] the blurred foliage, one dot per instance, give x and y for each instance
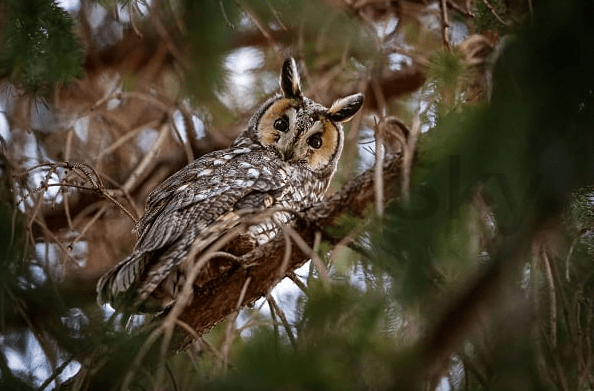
(40, 50)
(12, 246)
(450, 74)
(12, 232)
(341, 347)
(210, 33)
(529, 148)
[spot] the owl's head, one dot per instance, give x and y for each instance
(299, 130)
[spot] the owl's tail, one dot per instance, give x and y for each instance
(113, 285)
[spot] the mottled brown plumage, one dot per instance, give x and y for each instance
(284, 159)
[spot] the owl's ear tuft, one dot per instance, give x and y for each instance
(290, 82)
(344, 109)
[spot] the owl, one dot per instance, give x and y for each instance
(284, 160)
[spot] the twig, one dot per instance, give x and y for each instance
(274, 323)
(451, 329)
(229, 334)
(276, 16)
(64, 193)
(229, 24)
(143, 167)
(286, 257)
(380, 154)
(156, 333)
(172, 377)
(122, 140)
(92, 221)
(45, 346)
(13, 230)
(164, 34)
(213, 350)
(304, 247)
(408, 152)
(242, 293)
(133, 94)
(565, 305)
(67, 208)
(185, 143)
(445, 22)
(494, 12)
(55, 374)
(317, 241)
(251, 322)
(187, 327)
(470, 366)
(39, 221)
(346, 241)
(359, 249)
(568, 258)
(224, 254)
(89, 174)
(295, 278)
(260, 27)
(379, 97)
(34, 215)
(466, 12)
(132, 22)
(166, 327)
(187, 290)
(283, 319)
(552, 297)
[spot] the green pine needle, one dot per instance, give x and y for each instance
(40, 48)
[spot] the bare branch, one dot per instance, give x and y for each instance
(306, 249)
(148, 160)
(542, 254)
(283, 319)
(445, 23)
(260, 27)
(55, 373)
(465, 12)
(297, 281)
(494, 12)
(379, 168)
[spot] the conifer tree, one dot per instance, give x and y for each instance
(453, 251)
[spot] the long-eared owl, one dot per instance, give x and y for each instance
(285, 159)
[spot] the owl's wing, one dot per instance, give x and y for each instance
(204, 190)
(159, 197)
(196, 203)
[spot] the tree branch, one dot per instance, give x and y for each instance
(218, 297)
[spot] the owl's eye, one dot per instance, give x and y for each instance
(315, 141)
(282, 124)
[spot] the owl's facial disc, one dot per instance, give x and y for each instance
(300, 136)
